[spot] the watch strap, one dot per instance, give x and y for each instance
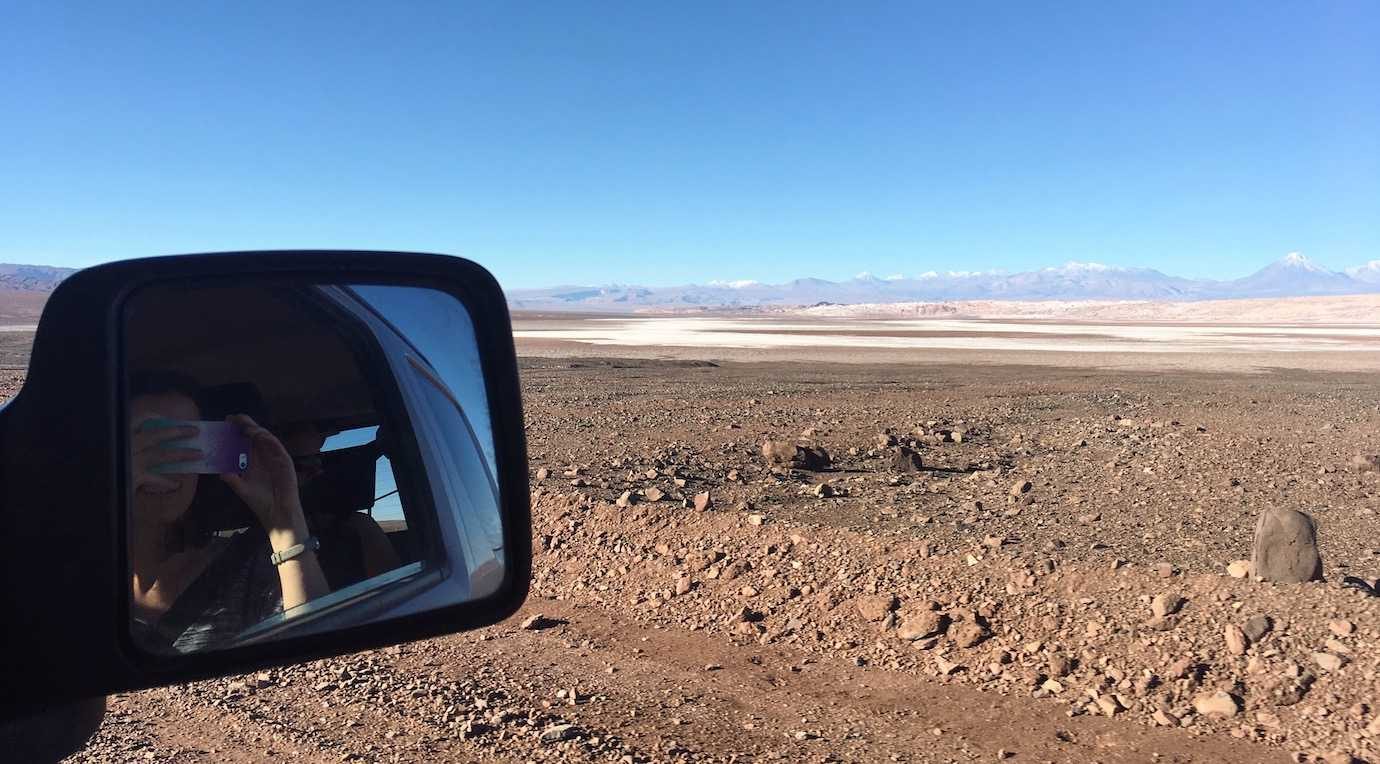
(310, 544)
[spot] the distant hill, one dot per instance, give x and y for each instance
(1291, 276)
(32, 278)
(24, 289)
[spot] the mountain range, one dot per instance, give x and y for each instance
(24, 290)
(1291, 276)
(32, 278)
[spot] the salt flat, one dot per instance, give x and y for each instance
(1096, 343)
(974, 334)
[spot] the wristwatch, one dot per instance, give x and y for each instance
(311, 544)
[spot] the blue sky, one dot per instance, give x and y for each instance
(665, 143)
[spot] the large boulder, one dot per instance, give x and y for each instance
(795, 455)
(1286, 547)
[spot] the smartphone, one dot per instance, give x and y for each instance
(224, 448)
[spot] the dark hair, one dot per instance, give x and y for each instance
(163, 382)
(190, 530)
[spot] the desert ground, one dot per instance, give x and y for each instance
(1047, 582)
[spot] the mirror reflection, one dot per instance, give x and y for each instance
(302, 457)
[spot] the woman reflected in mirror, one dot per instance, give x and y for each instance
(193, 588)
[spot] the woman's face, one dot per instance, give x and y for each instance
(161, 504)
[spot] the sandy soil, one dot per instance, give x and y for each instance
(14, 348)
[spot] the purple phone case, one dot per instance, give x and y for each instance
(224, 447)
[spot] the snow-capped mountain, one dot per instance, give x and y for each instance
(1294, 276)
(1291, 275)
(1368, 273)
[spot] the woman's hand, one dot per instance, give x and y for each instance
(269, 485)
(149, 451)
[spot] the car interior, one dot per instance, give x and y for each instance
(281, 355)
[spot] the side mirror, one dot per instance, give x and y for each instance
(224, 462)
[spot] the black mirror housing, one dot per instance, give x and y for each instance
(62, 484)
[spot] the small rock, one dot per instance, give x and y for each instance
(875, 607)
(823, 490)
(1365, 463)
(653, 494)
(1180, 669)
(946, 667)
(1239, 568)
(922, 625)
(796, 456)
(1338, 647)
(1328, 661)
(969, 633)
(543, 473)
(1166, 604)
(1217, 703)
(703, 501)
(1236, 639)
(1257, 627)
(1020, 487)
(558, 732)
(1165, 719)
(626, 499)
(745, 615)
(1059, 665)
(1341, 628)
(906, 461)
(1268, 719)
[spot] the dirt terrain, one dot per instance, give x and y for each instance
(1050, 583)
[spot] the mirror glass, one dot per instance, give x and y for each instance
(302, 457)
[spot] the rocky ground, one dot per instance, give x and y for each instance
(14, 354)
(1043, 574)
